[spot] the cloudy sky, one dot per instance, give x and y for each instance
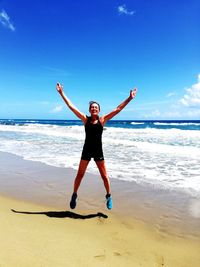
(99, 50)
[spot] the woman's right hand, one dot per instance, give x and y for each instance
(133, 93)
(59, 88)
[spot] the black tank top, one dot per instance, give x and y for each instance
(93, 140)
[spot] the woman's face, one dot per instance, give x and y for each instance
(94, 109)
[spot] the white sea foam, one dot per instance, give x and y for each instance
(137, 123)
(176, 123)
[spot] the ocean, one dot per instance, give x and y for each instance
(162, 154)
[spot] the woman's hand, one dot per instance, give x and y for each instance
(133, 93)
(59, 88)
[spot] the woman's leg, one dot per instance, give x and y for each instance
(81, 171)
(102, 169)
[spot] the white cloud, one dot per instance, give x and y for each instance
(122, 10)
(192, 96)
(5, 20)
(187, 107)
(57, 109)
(171, 94)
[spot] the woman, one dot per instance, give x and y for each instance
(93, 145)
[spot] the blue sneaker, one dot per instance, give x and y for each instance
(73, 201)
(109, 202)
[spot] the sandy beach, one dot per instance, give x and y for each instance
(147, 227)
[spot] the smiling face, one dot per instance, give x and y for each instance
(94, 109)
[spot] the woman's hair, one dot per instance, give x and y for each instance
(93, 102)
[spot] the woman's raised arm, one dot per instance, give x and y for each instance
(78, 113)
(110, 115)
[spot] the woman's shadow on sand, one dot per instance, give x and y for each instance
(64, 214)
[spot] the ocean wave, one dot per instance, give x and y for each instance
(177, 123)
(137, 123)
(111, 134)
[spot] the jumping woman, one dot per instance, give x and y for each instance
(93, 142)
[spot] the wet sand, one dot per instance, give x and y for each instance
(147, 226)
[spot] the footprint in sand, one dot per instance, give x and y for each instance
(100, 257)
(117, 254)
(49, 186)
(121, 254)
(160, 261)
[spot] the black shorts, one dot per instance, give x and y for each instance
(88, 156)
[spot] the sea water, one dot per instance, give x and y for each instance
(163, 154)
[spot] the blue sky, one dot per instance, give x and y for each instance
(100, 50)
